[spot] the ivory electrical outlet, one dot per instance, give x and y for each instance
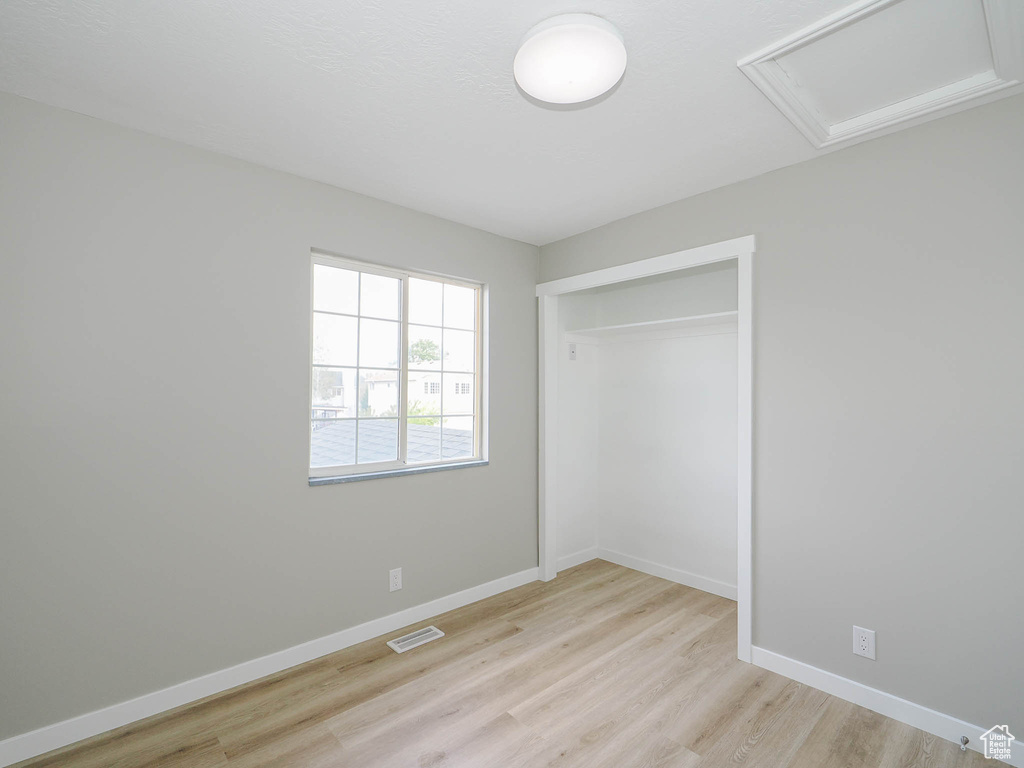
(396, 579)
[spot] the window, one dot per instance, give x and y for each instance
(395, 369)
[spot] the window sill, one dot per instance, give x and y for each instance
(314, 481)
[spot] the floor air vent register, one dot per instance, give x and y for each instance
(414, 639)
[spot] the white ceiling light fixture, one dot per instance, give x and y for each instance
(570, 59)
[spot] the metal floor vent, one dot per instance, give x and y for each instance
(413, 639)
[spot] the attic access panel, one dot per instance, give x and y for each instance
(880, 65)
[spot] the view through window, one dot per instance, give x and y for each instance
(395, 369)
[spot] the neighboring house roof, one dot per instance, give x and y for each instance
(417, 375)
(334, 443)
(375, 375)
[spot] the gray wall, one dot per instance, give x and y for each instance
(889, 401)
(156, 520)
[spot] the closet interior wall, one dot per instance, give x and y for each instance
(647, 427)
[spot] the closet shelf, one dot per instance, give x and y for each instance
(656, 326)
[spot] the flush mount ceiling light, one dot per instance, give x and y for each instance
(570, 58)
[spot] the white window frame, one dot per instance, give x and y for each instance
(402, 463)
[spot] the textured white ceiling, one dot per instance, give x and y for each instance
(413, 101)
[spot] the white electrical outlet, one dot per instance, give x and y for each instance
(572, 350)
(396, 579)
(864, 642)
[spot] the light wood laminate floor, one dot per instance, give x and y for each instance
(603, 667)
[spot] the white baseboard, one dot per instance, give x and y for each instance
(26, 745)
(928, 720)
(576, 558)
(703, 583)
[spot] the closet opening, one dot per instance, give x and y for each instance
(645, 420)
